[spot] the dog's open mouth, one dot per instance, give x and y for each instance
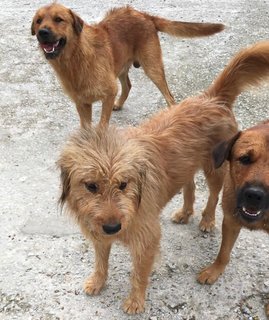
(250, 214)
(52, 49)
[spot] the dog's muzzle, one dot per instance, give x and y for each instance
(112, 228)
(48, 42)
(252, 202)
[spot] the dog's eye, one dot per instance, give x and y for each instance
(245, 159)
(39, 20)
(58, 19)
(123, 185)
(92, 187)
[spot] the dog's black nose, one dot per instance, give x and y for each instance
(112, 228)
(44, 33)
(254, 197)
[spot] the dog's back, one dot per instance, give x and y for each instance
(126, 24)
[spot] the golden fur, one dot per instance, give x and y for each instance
(121, 179)
(89, 58)
(248, 155)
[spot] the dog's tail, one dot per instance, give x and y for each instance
(186, 29)
(248, 68)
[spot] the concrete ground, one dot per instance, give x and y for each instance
(44, 258)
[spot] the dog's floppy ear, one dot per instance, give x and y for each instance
(33, 28)
(77, 22)
(222, 151)
(65, 181)
(141, 182)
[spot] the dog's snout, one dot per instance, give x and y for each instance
(254, 196)
(112, 228)
(44, 33)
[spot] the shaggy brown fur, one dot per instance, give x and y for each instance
(116, 182)
(246, 191)
(88, 59)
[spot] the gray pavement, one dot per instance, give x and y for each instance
(43, 257)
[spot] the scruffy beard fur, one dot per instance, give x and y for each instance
(116, 182)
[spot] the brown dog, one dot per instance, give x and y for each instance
(116, 182)
(246, 191)
(88, 59)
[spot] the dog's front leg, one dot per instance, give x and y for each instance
(230, 232)
(97, 279)
(107, 107)
(85, 114)
(143, 258)
(135, 303)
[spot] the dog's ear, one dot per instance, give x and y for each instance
(222, 151)
(33, 28)
(141, 183)
(65, 181)
(77, 22)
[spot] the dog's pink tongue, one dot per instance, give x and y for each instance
(47, 47)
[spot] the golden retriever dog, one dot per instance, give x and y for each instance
(245, 200)
(88, 59)
(116, 182)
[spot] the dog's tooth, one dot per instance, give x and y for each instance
(49, 51)
(254, 214)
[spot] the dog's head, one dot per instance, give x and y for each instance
(55, 26)
(102, 178)
(248, 154)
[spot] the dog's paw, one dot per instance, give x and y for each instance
(207, 225)
(209, 275)
(133, 306)
(93, 285)
(117, 107)
(181, 216)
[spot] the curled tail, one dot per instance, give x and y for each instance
(186, 29)
(248, 68)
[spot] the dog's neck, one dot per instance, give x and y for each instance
(73, 53)
(83, 54)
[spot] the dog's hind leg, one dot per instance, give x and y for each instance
(150, 58)
(215, 182)
(125, 89)
(182, 216)
(97, 279)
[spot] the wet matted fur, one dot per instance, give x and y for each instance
(245, 200)
(88, 59)
(116, 181)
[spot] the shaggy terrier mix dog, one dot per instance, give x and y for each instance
(116, 182)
